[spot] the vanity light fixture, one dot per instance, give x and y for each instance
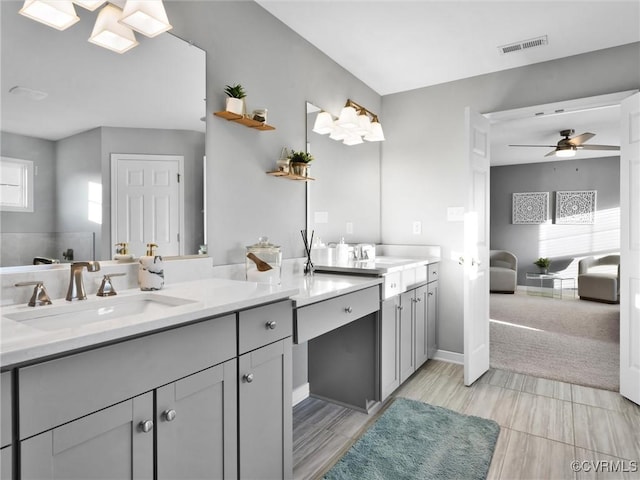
(147, 17)
(58, 14)
(109, 33)
(354, 124)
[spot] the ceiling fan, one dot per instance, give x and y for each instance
(567, 147)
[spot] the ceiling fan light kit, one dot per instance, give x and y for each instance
(114, 26)
(567, 147)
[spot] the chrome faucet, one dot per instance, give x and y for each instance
(76, 285)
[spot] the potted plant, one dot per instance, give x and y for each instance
(543, 263)
(299, 162)
(235, 100)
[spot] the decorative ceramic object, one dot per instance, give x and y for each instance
(235, 105)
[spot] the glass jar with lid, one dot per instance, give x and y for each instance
(263, 262)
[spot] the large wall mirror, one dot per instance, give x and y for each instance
(344, 198)
(68, 105)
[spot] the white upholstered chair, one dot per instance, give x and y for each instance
(503, 271)
(598, 285)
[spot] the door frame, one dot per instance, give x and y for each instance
(115, 158)
(581, 103)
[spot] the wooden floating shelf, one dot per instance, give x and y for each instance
(244, 120)
(289, 176)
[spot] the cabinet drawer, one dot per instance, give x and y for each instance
(392, 284)
(433, 271)
(5, 407)
(263, 325)
(319, 318)
(55, 392)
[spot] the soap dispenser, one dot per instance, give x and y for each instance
(122, 252)
(151, 270)
(342, 253)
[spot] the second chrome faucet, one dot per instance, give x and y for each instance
(76, 289)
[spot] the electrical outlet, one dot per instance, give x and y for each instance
(349, 228)
(417, 227)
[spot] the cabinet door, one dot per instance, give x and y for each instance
(195, 437)
(265, 415)
(107, 444)
(389, 347)
(421, 340)
(407, 352)
(432, 316)
(6, 463)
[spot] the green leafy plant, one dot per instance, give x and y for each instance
(235, 91)
(300, 157)
(543, 262)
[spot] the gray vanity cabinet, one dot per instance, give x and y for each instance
(265, 416)
(110, 443)
(407, 335)
(432, 307)
(420, 313)
(191, 426)
(6, 461)
(389, 346)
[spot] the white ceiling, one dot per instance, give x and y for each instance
(395, 46)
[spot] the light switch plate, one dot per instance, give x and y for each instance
(349, 228)
(417, 227)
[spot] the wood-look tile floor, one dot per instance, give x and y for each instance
(545, 425)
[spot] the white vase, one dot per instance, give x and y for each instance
(235, 105)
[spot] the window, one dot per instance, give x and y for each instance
(16, 185)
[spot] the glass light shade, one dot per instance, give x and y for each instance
(348, 118)
(376, 134)
(566, 152)
(108, 33)
(338, 133)
(147, 17)
(353, 139)
(90, 5)
(323, 124)
(364, 124)
(58, 14)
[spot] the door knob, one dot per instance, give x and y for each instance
(169, 415)
(146, 426)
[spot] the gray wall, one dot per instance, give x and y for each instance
(280, 72)
(563, 244)
(423, 159)
(43, 154)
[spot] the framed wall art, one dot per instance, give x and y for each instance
(530, 208)
(576, 208)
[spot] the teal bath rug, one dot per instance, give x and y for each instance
(414, 440)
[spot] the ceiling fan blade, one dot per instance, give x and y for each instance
(598, 147)
(580, 139)
(545, 146)
(551, 153)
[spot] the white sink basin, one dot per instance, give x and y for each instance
(78, 314)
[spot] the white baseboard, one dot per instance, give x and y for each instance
(451, 357)
(300, 393)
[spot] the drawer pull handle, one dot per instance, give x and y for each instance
(248, 377)
(348, 310)
(146, 426)
(419, 299)
(271, 325)
(169, 415)
(435, 273)
(399, 307)
(430, 294)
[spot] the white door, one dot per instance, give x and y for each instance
(630, 249)
(146, 202)
(476, 249)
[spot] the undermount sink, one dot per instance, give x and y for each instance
(79, 314)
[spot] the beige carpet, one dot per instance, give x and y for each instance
(574, 341)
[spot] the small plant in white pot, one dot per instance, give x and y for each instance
(299, 162)
(235, 100)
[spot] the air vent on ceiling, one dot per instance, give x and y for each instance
(523, 45)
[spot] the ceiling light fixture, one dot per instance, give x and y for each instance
(147, 17)
(114, 26)
(58, 14)
(109, 33)
(354, 124)
(567, 151)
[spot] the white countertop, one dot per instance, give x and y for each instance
(322, 286)
(20, 343)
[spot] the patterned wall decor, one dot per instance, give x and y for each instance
(576, 208)
(530, 208)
